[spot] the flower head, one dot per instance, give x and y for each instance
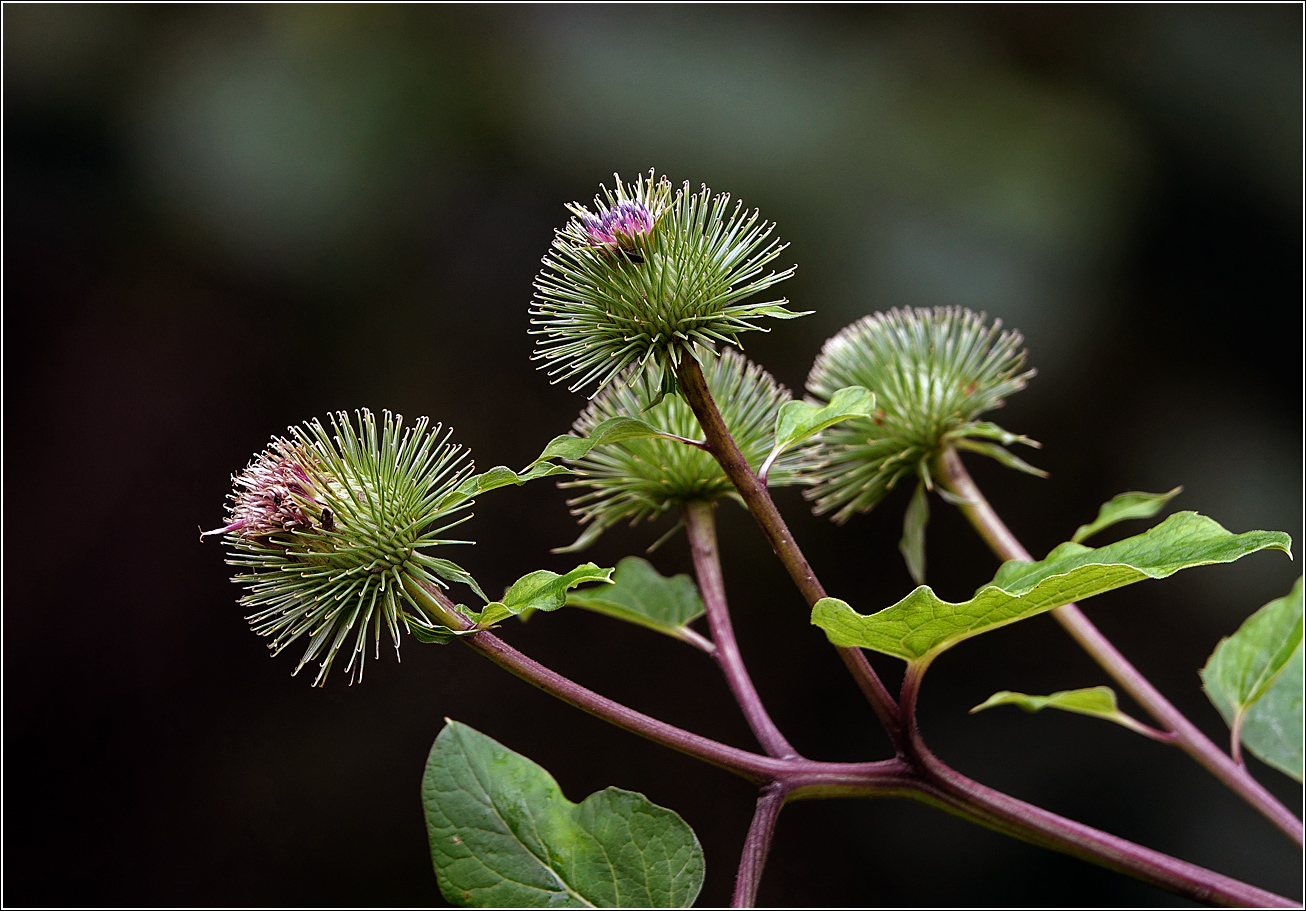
(687, 262)
(642, 478)
(331, 522)
(933, 372)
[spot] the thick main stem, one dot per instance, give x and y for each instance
(701, 529)
(953, 475)
(950, 790)
(757, 845)
(758, 500)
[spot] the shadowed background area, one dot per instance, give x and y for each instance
(222, 220)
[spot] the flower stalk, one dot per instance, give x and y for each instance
(701, 529)
(758, 500)
(757, 844)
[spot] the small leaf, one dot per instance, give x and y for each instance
(450, 571)
(1096, 702)
(541, 590)
(434, 635)
(503, 835)
(994, 451)
(987, 430)
(424, 630)
(587, 537)
(797, 420)
(613, 430)
(1132, 505)
(922, 624)
(1254, 678)
(912, 545)
(499, 476)
(640, 594)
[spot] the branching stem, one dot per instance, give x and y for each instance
(757, 845)
(701, 529)
(918, 775)
(950, 790)
(723, 448)
(953, 475)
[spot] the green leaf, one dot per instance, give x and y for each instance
(1272, 729)
(640, 594)
(613, 430)
(797, 421)
(922, 624)
(1132, 505)
(499, 476)
(987, 430)
(541, 590)
(912, 545)
(450, 571)
(432, 635)
(503, 835)
(587, 537)
(994, 451)
(1254, 678)
(1096, 702)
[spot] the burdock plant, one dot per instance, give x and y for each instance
(639, 298)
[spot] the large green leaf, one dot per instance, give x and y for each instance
(640, 594)
(797, 421)
(541, 590)
(1254, 678)
(922, 624)
(503, 835)
(1132, 505)
(1095, 701)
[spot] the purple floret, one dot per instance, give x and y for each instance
(628, 218)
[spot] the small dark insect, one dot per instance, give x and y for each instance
(633, 255)
(328, 521)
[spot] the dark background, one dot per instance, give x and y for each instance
(222, 220)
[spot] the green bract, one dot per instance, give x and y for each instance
(331, 522)
(648, 276)
(641, 478)
(932, 372)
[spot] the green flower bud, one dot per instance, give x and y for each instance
(648, 276)
(642, 478)
(933, 372)
(330, 523)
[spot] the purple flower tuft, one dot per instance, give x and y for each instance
(270, 494)
(627, 219)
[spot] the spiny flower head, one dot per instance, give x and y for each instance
(933, 372)
(650, 275)
(642, 478)
(331, 522)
